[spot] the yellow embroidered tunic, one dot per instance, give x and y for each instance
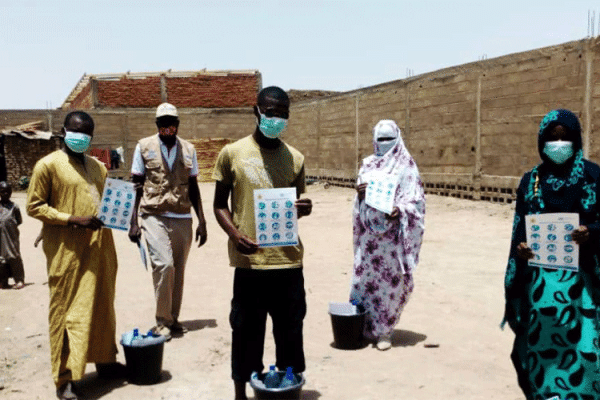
(81, 263)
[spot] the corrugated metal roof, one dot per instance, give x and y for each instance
(30, 130)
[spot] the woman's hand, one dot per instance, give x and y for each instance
(524, 252)
(361, 190)
(395, 214)
(581, 235)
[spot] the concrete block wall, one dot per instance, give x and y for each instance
(472, 129)
(12, 118)
(118, 128)
(594, 137)
(125, 127)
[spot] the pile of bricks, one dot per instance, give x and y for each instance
(207, 151)
(22, 154)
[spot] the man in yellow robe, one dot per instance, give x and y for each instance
(64, 194)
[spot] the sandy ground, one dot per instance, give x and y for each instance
(457, 304)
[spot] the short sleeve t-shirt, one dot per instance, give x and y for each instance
(245, 166)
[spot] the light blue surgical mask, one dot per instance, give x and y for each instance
(558, 151)
(271, 127)
(383, 146)
(76, 141)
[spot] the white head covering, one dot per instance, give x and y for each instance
(409, 197)
(386, 135)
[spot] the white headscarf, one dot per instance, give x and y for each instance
(409, 197)
(385, 129)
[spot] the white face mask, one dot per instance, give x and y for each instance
(385, 129)
(385, 146)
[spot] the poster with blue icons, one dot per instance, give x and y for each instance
(381, 191)
(276, 217)
(117, 204)
(549, 237)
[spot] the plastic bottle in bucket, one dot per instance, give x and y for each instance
(289, 379)
(271, 378)
(358, 307)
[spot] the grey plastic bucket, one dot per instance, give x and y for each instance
(292, 393)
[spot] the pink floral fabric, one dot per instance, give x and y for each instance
(386, 252)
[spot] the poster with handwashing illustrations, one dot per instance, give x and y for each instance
(276, 217)
(549, 236)
(118, 200)
(381, 190)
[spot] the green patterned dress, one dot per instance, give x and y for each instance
(555, 313)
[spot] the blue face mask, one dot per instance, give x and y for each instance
(271, 127)
(76, 141)
(558, 151)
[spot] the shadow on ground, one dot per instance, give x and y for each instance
(197, 324)
(402, 338)
(94, 388)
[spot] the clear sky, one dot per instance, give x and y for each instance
(47, 45)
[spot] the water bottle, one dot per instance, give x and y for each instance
(136, 333)
(355, 306)
(271, 378)
(289, 379)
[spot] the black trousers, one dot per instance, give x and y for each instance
(12, 268)
(256, 293)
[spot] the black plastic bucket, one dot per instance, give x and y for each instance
(144, 364)
(291, 393)
(348, 330)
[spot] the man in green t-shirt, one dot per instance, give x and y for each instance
(267, 280)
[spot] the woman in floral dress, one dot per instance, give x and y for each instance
(386, 246)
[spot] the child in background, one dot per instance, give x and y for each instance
(10, 253)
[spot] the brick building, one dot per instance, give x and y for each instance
(184, 89)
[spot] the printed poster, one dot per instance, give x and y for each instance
(276, 217)
(549, 236)
(381, 190)
(117, 204)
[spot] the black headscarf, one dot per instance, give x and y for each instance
(567, 119)
(557, 182)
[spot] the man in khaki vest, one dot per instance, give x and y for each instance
(164, 170)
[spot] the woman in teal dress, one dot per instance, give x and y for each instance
(554, 313)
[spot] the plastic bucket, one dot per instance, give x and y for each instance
(144, 364)
(348, 330)
(291, 393)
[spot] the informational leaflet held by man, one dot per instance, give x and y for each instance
(276, 217)
(549, 237)
(381, 190)
(118, 200)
